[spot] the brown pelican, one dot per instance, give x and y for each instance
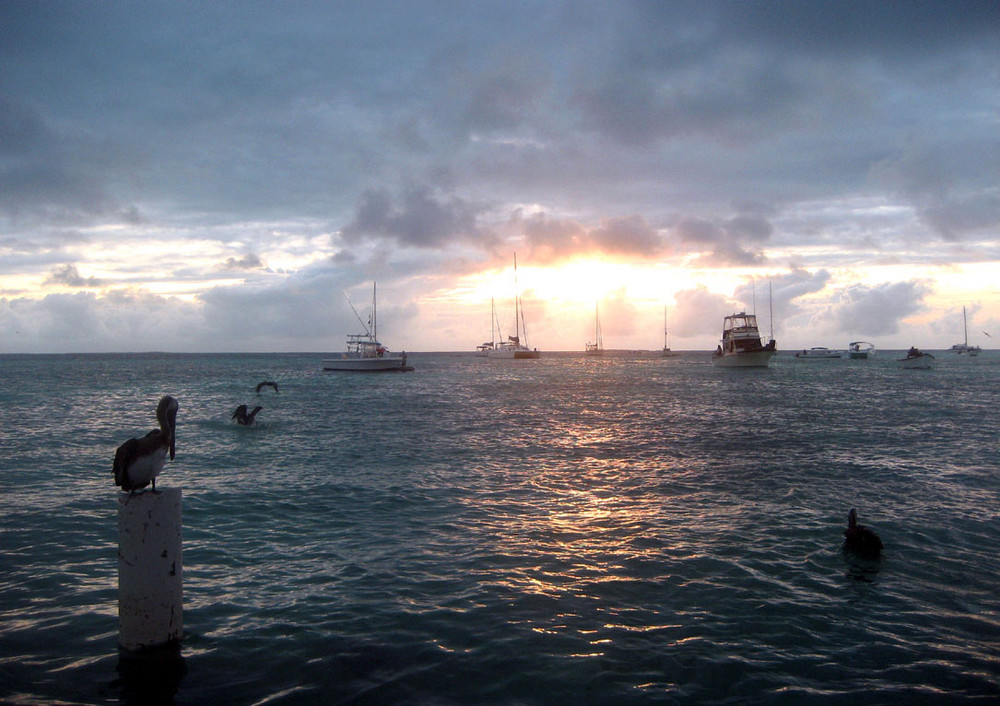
(861, 540)
(267, 383)
(139, 461)
(244, 417)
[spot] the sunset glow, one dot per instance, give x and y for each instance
(643, 160)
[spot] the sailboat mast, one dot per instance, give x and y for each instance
(374, 312)
(965, 326)
(517, 296)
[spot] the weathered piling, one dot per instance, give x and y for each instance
(150, 590)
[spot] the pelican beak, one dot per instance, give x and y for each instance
(167, 414)
(172, 421)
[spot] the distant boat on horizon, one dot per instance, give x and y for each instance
(818, 353)
(666, 352)
(597, 347)
(513, 348)
(964, 347)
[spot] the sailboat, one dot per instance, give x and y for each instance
(597, 347)
(513, 347)
(667, 353)
(364, 352)
(961, 348)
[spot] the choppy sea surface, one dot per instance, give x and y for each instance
(564, 530)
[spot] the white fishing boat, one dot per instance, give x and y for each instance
(819, 353)
(514, 348)
(597, 347)
(364, 353)
(741, 346)
(666, 352)
(860, 350)
(964, 348)
(917, 360)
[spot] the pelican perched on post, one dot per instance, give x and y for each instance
(245, 417)
(139, 461)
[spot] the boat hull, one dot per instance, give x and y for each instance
(918, 362)
(513, 354)
(346, 363)
(744, 359)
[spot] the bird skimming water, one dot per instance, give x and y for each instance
(139, 461)
(267, 383)
(245, 417)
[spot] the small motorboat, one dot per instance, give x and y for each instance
(917, 360)
(818, 353)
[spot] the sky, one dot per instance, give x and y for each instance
(234, 177)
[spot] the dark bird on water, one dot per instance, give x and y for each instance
(861, 540)
(245, 417)
(267, 383)
(139, 461)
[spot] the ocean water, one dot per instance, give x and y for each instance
(564, 530)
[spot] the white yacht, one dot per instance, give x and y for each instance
(860, 350)
(741, 346)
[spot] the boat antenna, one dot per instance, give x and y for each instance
(517, 296)
(356, 315)
(753, 295)
(770, 307)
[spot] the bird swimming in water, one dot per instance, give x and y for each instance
(861, 540)
(139, 461)
(267, 383)
(244, 417)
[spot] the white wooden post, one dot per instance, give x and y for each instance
(150, 585)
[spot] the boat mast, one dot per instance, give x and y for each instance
(770, 308)
(374, 314)
(597, 325)
(517, 329)
(965, 327)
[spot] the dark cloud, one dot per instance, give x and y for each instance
(249, 261)
(69, 275)
(735, 241)
(420, 219)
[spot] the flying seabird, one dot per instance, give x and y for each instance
(861, 540)
(245, 417)
(267, 383)
(139, 461)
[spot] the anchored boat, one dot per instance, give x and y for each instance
(364, 353)
(741, 346)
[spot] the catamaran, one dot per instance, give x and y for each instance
(364, 352)
(961, 348)
(597, 347)
(666, 353)
(513, 347)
